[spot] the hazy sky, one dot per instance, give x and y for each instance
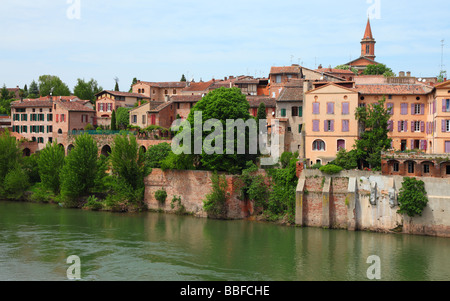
(159, 40)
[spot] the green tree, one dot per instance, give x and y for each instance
(25, 91)
(442, 76)
(52, 84)
(346, 67)
(215, 203)
(4, 93)
(79, 173)
(122, 117)
(134, 82)
(346, 160)
(412, 198)
(374, 123)
(157, 153)
(16, 182)
(10, 154)
(34, 90)
(51, 162)
(113, 121)
(183, 78)
(379, 69)
(86, 90)
(116, 87)
(223, 104)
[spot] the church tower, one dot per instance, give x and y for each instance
(368, 43)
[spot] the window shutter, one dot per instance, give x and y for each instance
(300, 111)
(325, 126)
(332, 125)
(412, 127)
(444, 105)
(412, 144)
(404, 109)
(413, 109)
(391, 107)
(422, 126)
(444, 126)
(57, 117)
(422, 109)
(399, 126)
(316, 108)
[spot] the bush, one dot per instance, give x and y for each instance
(214, 204)
(346, 160)
(93, 203)
(412, 198)
(157, 153)
(316, 166)
(331, 169)
(40, 195)
(161, 196)
(16, 183)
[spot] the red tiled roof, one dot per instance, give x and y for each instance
(285, 69)
(165, 84)
(125, 94)
(30, 103)
(332, 70)
(255, 101)
(291, 94)
(393, 89)
(368, 32)
(186, 98)
(74, 106)
(200, 86)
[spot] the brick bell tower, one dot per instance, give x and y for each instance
(368, 43)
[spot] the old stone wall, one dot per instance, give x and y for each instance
(192, 186)
(361, 200)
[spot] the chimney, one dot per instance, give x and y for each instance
(225, 78)
(320, 66)
(139, 103)
(401, 74)
(408, 74)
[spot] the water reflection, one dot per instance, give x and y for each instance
(35, 241)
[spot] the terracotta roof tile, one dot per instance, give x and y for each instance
(291, 94)
(165, 84)
(393, 89)
(285, 69)
(255, 101)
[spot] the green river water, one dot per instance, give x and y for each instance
(37, 239)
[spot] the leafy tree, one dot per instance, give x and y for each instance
(4, 93)
(10, 154)
(346, 160)
(157, 153)
(347, 67)
(16, 182)
(79, 173)
(178, 162)
(442, 76)
(34, 90)
(52, 84)
(412, 198)
(215, 203)
(51, 162)
(128, 161)
(113, 121)
(374, 139)
(134, 82)
(31, 166)
(223, 104)
(286, 158)
(183, 78)
(379, 69)
(87, 90)
(122, 117)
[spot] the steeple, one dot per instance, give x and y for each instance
(368, 43)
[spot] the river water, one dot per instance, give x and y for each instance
(37, 239)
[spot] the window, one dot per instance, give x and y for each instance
(426, 168)
(134, 119)
(390, 107)
(416, 126)
(109, 107)
(49, 129)
(278, 79)
(345, 125)
(367, 49)
(316, 125)
(340, 144)
(300, 111)
(396, 167)
(362, 105)
(49, 117)
(316, 108)
(283, 112)
(174, 91)
(402, 126)
(446, 105)
(166, 92)
(300, 128)
(330, 108)
(404, 109)
(418, 109)
(345, 108)
(294, 111)
(410, 167)
(143, 119)
(329, 126)
(289, 129)
(447, 170)
(445, 126)
(40, 140)
(318, 145)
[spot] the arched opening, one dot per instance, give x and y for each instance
(394, 166)
(69, 148)
(445, 169)
(26, 152)
(106, 150)
(61, 145)
(143, 149)
(60, 131)
(410, 167)
(318, 145)
(340, 144)
(427, 168)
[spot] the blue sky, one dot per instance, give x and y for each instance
(161, 40)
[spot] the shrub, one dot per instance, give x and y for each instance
(316, 166)
(331, 169)
(16, 183)
(412, 198)
(40, 195)
(161, 196)
(214, 204)
(93, 203)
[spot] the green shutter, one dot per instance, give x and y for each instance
(300, 111)
(283, 112)
(300, 128)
